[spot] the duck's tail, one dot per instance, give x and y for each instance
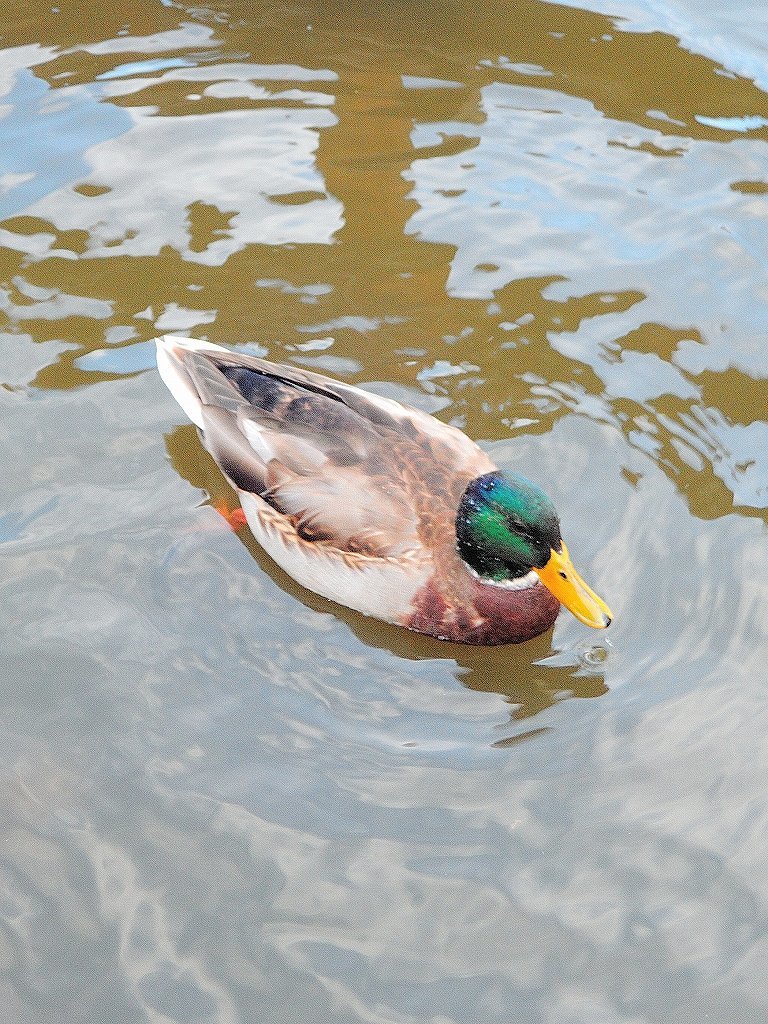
(171, 353)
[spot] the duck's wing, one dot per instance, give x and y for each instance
(347, 468)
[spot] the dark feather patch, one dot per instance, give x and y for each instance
(302, 380)
(260, 390)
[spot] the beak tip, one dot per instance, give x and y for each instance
(562, 580)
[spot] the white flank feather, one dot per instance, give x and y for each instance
(380, 587)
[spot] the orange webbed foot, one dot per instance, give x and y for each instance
(235, 517)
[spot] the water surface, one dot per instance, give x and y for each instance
(225, 799)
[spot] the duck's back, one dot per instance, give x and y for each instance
(352, 494)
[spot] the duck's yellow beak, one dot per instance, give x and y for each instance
(562, 580)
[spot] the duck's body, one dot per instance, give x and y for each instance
(353, 495)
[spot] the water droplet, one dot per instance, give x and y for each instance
(594, 656)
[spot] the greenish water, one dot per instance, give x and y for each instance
(226, 800)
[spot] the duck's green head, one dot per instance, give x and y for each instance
(506, 526)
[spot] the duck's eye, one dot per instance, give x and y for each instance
(520, 527)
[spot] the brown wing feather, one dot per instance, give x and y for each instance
(353, 471)
(339, 476)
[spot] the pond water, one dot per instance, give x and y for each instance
(227, 800)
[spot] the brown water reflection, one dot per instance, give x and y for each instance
(389, 260)
(229, 800)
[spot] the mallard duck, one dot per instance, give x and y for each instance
(376, 506)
